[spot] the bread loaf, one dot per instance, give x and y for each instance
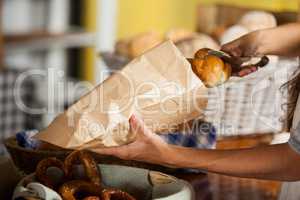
(177, 35)
(211, 69)
(137, 45)
(257, 20)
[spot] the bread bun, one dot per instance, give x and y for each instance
(137, 45)
(143, 42)
(257, 20)
(218, 31)
(202, 53)
(232, 33)
(190, 46)
(251, 21)
(177, 35)
(211, 69)
(122, 47)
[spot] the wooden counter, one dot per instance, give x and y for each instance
(218, 187)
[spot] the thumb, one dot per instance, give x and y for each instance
(137, 126)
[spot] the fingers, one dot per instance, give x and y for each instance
(232, 48)
(246, 71)
(137, 126)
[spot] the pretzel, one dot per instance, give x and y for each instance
(41, 171)
(92, 198)
(90, 166)
(90, 189)
(114, 194)
(77, 189)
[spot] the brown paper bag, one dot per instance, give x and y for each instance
(159, 86)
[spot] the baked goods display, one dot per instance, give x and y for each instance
(251, 21)
(72, 188)
(187, 41)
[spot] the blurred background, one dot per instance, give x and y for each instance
(69, 35)
(85, 40)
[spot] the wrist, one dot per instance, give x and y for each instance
(177, 156)
(170, 155)
(183, 157)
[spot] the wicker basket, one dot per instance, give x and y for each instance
(26, 160)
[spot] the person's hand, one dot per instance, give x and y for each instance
(247, 46)
(147, 147)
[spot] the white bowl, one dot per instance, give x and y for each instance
(141, 183)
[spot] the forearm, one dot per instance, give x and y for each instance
(283, 40)
(277, 162)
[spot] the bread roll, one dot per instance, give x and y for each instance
(190, 46)
(143, 42)
(202, 53)
(218, 31)
(251, 21)
(122, 47)
(232, 33)
(177, 35)
(256, 20)
(211, 69)
(137, 45)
